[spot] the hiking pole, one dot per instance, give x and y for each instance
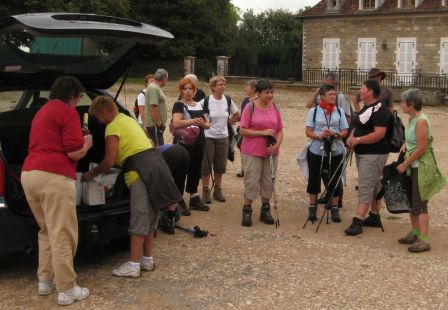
(195, 231)
(345, 162)
(208, 161)
(271, 141)
(325, 192)
(320, 176)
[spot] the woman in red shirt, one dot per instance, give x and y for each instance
(48, 179)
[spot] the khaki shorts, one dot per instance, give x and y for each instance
(418, 206)
(370, 171)
(257, 176)
(215, 155)
(143, 219)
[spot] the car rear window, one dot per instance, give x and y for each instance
(15, 100)
(24, 52)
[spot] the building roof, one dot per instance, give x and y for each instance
(351, 7)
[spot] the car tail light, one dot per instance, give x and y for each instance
(2, 177)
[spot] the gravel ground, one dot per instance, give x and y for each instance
(261, 267)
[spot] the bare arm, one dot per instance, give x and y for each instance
(141, 111)
(256, 133)
(77, 155)
(155, 115)
(377, 134)
(179, 122)
(235, 118)
(108, 161)
(311, 101)
(421, 131)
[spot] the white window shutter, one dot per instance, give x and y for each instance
(444, 56)
(331, 54)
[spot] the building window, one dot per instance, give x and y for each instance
(406, 56)
(366, 53)
(369, 4)
(444, 56)
(330, 54)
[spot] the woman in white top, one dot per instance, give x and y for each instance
(219, 109)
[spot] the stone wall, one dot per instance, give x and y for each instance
(428, 29)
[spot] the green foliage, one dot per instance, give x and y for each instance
(271, 37)
(202, 28)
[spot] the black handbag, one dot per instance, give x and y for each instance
(397, 188)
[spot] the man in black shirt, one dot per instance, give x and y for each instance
(371, 146)
(386, 94)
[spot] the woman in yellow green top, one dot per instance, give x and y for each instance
(421, 166)
(147, 176)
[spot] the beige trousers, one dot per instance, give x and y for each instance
(52, 199)
(258, 176)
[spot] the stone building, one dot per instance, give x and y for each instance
(403, 36)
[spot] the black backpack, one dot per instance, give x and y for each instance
(395, 133)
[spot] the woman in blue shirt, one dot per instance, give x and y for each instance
(326, 126)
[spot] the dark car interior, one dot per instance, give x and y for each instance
(15, 126)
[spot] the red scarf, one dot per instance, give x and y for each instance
(328, 107)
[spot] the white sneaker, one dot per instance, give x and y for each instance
(45, 288)
(127, 270)
(147, 265)
(75, 294)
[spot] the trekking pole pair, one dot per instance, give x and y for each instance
(340, 169)
(271, 142)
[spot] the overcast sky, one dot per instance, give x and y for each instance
(262, 5)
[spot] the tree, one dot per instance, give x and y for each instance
(203, 28)
(271, 37)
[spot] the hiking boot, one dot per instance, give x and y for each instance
(419, 246)
(373, 220)
(182, 206)
(247, 215)
(312, 215)
(217, 194)
(147, 265)
(355, 228)
(127, 270)
(75, 294)
(410, 238)
(335, 217)
(166, 224)
(206, 195)
(45, 288)
(197, 204)
(265, 214)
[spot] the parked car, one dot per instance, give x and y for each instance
(36, 49)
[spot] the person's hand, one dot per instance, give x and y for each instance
(324, 134)
(161, 128)
(87, 176)
(273, 149)
(403, 149)
(269, 132)
(401, 168)
(352, 142)
(88, 141)
(199, 121)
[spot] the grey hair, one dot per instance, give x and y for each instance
(192, 76)
(252, 83)
(413, 97)
(160, 74)
(333, 76)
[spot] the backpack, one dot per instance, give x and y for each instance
(136, 110)
(395, 133)
(207, 99)
(231, 150)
